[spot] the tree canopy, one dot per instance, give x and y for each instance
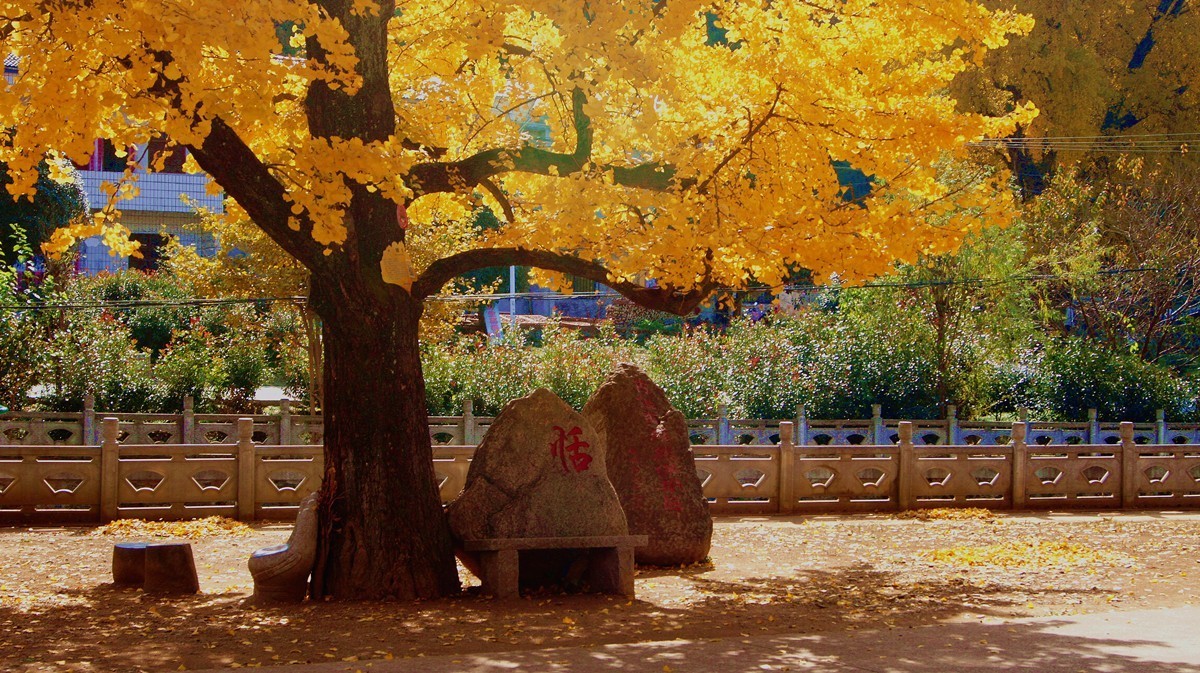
(670, 158)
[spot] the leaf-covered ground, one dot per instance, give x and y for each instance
(59, 612)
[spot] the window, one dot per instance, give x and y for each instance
(109, 159)
(582, 284)
(152, 248)
(172, 156)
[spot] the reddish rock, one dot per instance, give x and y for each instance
(650, 465)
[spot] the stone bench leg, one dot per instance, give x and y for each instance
(610, 571)
(501, 572)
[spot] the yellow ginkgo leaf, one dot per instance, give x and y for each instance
(396, 266)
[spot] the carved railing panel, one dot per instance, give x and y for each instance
(49, 484)
(222, 429)
(176, 481)
(42, 429)
(283, 476)
(845, 478)
(1168, 476)
(739, 479)
(703, 431)
(1069, 434)
(1086, 476)
(984, 433)
(752, 432)
(966, 476)
(450, 466)
(307, 430)
(839, 433)
(446, 430)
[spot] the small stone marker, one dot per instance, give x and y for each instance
(539, 472)
(170, 568)
(650, 465)
(281, 572)
(129, 564)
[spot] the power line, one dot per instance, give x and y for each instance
(479, 297)
(146, 303)
(1144, 143)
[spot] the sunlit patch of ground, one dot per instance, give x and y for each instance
(59, 612)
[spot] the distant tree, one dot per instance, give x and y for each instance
(29, 222)
(960, 310)
(1111, 67)
(1122, 249)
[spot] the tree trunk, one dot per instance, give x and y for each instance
(383, 532)
(316, 358)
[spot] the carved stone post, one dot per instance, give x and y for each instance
(877, 424)
(90, 436)
(1161, 427)
(952, 424)
(801, 425)
(246, 460)
(906, 471)
(188, 424)
(285, 422)
(1129, 463)
(723, 434)
(468, 423)
(110, 452)
(787, 469)
(1093, 426)
(1020, 466)
(1023, 415)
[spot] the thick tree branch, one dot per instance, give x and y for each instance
(657, 298)
(243, 176)
(458, 176)
(501, 198)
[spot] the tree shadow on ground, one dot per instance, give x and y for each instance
(1049, 646)
(120, 630)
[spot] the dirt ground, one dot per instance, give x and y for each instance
(60, 612)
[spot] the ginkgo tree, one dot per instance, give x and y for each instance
(677, 163)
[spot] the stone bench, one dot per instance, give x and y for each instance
(609, 567)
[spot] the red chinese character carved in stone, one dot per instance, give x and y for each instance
(568, 448)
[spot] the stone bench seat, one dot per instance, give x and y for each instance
(609, 566)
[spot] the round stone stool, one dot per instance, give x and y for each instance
(170, 568)
(129, 564)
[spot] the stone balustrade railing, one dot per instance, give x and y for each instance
(63, 484)
(287, 428)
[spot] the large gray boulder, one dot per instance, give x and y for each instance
(540, 471)
(651, 466)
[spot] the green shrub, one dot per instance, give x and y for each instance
(1069, 376)
(95, 353)
(150, 327)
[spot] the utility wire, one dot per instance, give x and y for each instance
(167, 303)
(146, 303)
(1145, 143)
